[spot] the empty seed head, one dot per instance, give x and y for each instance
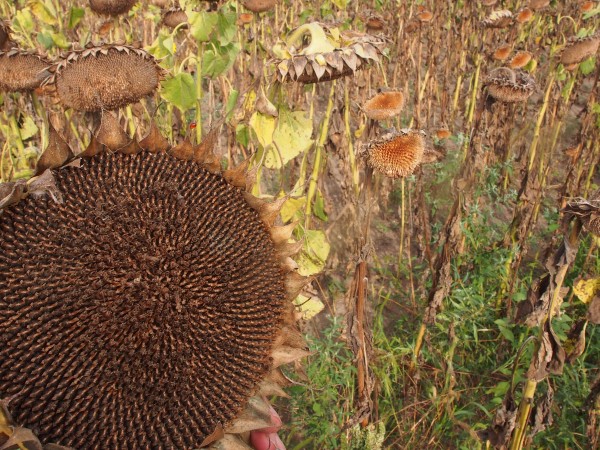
(396, 154)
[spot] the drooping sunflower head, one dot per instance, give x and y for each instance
(105, 77)
(509, 86)
(498, 19)
(145, 301)
(578, 49)
(330, 54)
(396, 154)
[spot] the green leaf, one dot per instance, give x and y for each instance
(226, 27)
(588, 66)
(75, 16)
(319, 207)
(314, 253)
(231, 102)
(28, 129)
(45, 39)
(242, 135)
(23, 20)
(202, 24)
(219, 60)
(60, 40)
(263, 127)
(292, 136)
(341, 4)
(504, 330)
(180, 91)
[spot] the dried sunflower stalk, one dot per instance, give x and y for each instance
(331, 54)
(145, 298)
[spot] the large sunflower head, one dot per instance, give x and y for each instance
(22, 70)
(145, 300)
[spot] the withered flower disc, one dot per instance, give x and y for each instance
(141, 311)
(21, 71)
(107, 77)
(396, 154)
(111, 7)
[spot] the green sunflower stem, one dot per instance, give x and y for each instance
(351, 155)
(199, 93)
(314, 178)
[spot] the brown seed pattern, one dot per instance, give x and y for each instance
(141, 311)
(22, 71)
(108, 77)
(396, 154)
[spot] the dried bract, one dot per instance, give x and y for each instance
(107, 77)
(22, 71)
(578, 49)
(396, 154)
(507, 85)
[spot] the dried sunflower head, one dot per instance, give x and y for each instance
(521, 59)
(536, 5)
(173, 17)
(105, 77)
(145, 301)
(331, 54)
(524, 16)
(111, 7)
(396, 154)
(588, 211)
(21, 70)
(502, 52)
(498, 19)
(384, 105)
(507, 85)
(258, 6)
(578, 49)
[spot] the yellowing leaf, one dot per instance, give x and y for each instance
(586, 289)
(263, 127)
(292, 136)
(314, 253)
(291, 207)
(43, 14)
(308, 306)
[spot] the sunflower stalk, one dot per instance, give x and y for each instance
(314, 178)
